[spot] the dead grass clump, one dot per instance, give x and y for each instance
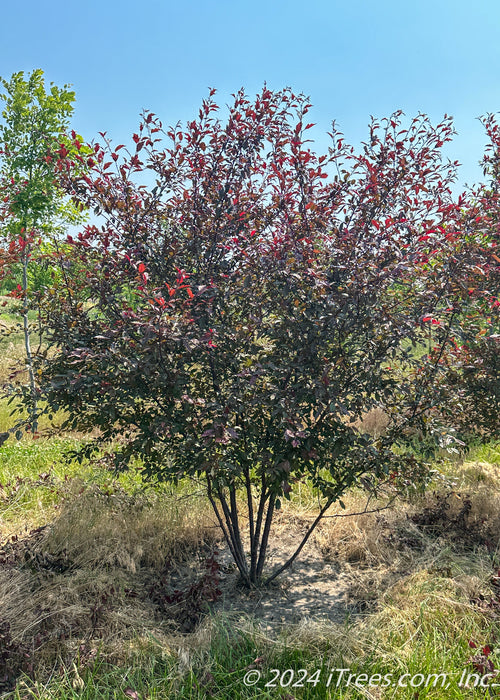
(424, 603)
(429, 535)
(459, 520)
(364, 549)
(361, 540)
(111, 568)
(320, 637)
(374, 422)
(357, 541)
(62, 618)
(468, 519)
(477, 473)
(100, 528)
(11, 352)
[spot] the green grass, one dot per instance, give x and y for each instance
(485, 452)
(288, 667)
(10, 314)
(34, 475)
(23, 466)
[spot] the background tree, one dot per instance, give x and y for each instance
(474, 358)
(250, 308)
(33, 147)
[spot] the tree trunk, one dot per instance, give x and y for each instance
(27, 344)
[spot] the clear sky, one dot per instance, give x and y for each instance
(353, 58)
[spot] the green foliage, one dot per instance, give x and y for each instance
(35, 149)
(33, 141)
(42, 273)
(34, 152)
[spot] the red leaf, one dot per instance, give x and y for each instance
(142, 268)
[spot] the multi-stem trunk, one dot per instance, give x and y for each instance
(260, 522)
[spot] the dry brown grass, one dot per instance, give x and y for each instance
(374, 422)
(87, 580)
(99, 528)
(479, 474)
(11, 348)
(445, 534)
(418, 571)
(10, 353)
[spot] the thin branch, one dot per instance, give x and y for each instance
(363, 512)
(290, 561)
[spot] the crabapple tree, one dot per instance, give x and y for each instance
(244, 302)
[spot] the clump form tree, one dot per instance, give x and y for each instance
(239, 318)
(33, 209)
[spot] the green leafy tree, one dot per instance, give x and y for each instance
(34, 150)
(250, 308)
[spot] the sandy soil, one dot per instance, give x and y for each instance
(310, 589)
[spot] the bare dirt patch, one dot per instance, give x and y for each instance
(311, 589)
(349, 564)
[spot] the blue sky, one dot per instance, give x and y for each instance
(353, 58)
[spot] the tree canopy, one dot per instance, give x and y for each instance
(236, 320)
